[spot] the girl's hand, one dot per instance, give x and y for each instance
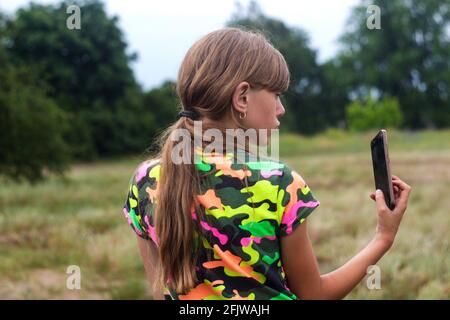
(389, 220)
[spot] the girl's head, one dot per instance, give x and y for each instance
(231, 78)
(230, 73)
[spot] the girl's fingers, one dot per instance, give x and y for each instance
(400, 184)
(396, 195)
(396, 180)
(403, 196)
(401, 191)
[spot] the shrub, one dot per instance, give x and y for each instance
(373, 114)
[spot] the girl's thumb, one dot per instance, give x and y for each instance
(379, 197)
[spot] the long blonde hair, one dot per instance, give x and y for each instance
(211, 70)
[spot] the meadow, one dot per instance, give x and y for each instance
(77, 220)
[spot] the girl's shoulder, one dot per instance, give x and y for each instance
(138, 206)
(147, 171)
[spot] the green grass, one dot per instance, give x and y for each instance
(336, 141)
(78, 221)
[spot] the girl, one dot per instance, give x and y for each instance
(220, 228)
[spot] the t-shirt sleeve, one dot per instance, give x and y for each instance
(139, 203)
(295, 201)
(132, 210)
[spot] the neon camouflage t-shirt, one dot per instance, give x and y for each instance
(244, 224)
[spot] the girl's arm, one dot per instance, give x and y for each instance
(300, 263)
(302, 270)
(338, 283)
(149, 254)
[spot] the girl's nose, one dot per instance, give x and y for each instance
(280, 110)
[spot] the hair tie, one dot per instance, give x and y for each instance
(188, 113)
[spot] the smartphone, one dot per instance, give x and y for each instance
(381, 167)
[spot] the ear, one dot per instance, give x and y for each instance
(240, 97)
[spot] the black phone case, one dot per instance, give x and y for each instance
(381, 170)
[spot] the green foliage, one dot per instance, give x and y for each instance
(80, 66)
(32, 127)
(409, 58)
(372, 114)
(88, 75)
(162, 103)
(73, 89)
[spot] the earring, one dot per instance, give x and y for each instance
(242, 115)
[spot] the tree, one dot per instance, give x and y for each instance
(409, 57)
(163, 103)
(87, 73)
(308, 107)
(32, 125)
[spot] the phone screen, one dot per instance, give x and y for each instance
(381, 170)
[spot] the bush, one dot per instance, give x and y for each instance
(373, 114)
(33, 127)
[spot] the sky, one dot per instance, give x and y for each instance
(161, 32)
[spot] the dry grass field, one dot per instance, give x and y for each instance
(77, 220)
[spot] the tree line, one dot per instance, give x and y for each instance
(70, 95)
